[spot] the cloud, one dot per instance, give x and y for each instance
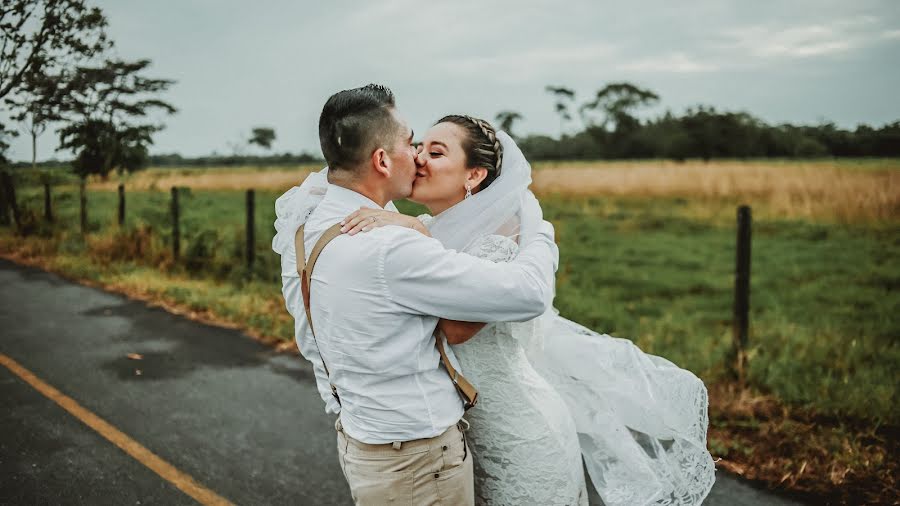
(890, 34)
(805, 41)
(534, 62)
(674, 63)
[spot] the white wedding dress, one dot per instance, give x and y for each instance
(551, 388)
(639, 420)
(522, 436)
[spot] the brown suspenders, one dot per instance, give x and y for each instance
(306, 276)
(304, 268)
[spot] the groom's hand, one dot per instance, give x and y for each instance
(459, 332)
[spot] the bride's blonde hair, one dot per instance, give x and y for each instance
(481, 146)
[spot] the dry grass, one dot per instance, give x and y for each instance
(841, 191)
(241, 178)
(794, 191)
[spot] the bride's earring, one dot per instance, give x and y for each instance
(468, 191)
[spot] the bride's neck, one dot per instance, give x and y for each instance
(436, 208)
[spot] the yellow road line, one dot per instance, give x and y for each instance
(167, 471)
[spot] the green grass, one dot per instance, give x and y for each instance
(825, 316)
(824, 309)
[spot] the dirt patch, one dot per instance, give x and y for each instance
(821, 460)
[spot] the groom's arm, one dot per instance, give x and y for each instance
(428, 279)
(290, 288)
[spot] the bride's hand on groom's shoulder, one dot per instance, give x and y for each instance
(366, 219)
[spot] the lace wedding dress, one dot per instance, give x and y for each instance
(551, 391)
(522, 436)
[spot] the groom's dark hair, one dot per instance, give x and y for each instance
(356, 122)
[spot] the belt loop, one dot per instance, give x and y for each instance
(397, 445)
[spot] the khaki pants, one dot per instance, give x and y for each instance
(434, 471)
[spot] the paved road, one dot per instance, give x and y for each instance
(240, 419)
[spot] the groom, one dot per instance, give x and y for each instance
(375, 301)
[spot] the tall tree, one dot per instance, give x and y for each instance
(37, 103)
(38, 34)
(617, 102)
(262, 137)
(4, 145)
(103, 107)
(564, 98)
(506, 120)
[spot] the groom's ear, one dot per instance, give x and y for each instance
(381, 162)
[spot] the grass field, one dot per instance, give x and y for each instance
(643, 260)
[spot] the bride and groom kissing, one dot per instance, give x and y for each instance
(403, 318)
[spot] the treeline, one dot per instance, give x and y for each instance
(610, 128)
(287, 158)
(176, 160)
(706, 133)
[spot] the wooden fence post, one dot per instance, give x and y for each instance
(82, 190)
(48, 209)
(741, 320)
(4, 204)
(251, 228)
(176, 233)
(121, 204)
(9, 199)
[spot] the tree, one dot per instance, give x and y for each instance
(40, 34)
(262, 137)
(102, 105)
(617, 101)
(506, 119)
(564, 97)
(618, 131)
(37, 103)
(4, 145)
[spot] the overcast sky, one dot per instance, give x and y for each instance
(274, 63)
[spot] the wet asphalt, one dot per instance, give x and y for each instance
(238, 417)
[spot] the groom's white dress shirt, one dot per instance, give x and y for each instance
(376, 299)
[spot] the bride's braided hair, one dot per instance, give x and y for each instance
(481, 145)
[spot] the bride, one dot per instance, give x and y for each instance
(550, 390)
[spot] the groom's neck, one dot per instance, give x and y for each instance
(362, 186)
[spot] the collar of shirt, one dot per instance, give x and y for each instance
(347, 197)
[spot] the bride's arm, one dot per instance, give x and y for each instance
(458, 332)
(366, 219)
